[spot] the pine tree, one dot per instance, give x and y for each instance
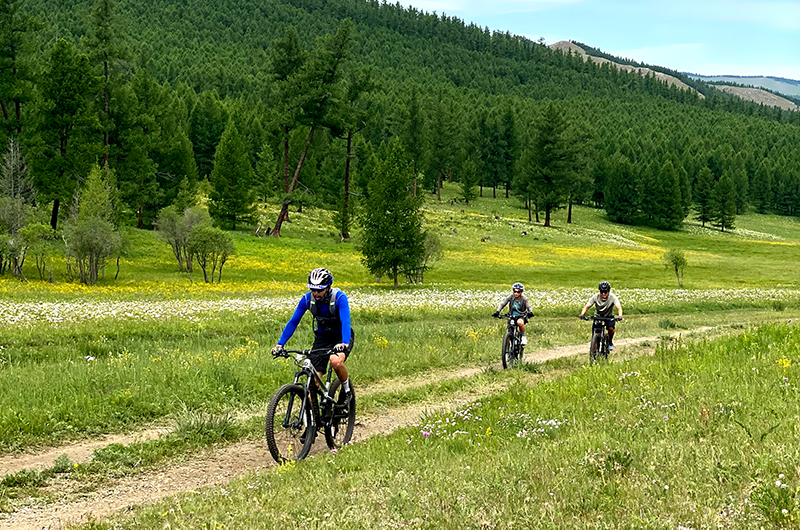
(724, 203)
(468, 180)
(65, 126)
(703, 193)
(623, 192)
(232, 198)
(393, 239)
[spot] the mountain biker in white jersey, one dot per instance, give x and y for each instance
(604, 303)
(518, 306)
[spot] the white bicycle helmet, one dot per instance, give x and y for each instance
(319, 278)
(518, 286)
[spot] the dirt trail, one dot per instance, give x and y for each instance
(219, 466)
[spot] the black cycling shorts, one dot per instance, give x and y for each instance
(326, 341)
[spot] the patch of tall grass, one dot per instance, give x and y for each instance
(700, 435)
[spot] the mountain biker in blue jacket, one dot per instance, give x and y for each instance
(518, 306)
(331, 311)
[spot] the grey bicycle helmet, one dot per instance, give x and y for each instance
(604, 287)
(319, 278)
(518, 286)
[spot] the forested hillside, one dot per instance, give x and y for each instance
(157, 89)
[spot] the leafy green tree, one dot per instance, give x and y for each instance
(392, 239)
(675, 260)
(442, 142)
(232, 197)
(66, 123)
(724, 203)
(211, 247)
(91, 238)
(174, 225)
(703, 196)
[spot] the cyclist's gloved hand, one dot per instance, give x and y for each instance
(277, 350)
(496, 314)
(530, 314)
(339, 348)
(618, 319)
(583, 317)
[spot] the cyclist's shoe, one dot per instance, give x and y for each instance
(610, 347)
(345, 398)
(524, 340)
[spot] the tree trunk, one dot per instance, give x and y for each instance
(547, 215)
(54, 215)
(536, 209)
(284, 213)
(508, 188)
(569, 212)
(394, 273)
(528, 201)
(438, 191)
(346, 203)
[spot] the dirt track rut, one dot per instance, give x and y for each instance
(218, 466)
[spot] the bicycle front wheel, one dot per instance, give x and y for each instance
(289, 431)
(508, 353)
(594, 347)
(339, 420)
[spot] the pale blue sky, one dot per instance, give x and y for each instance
(709, 37)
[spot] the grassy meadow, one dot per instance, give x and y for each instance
(160, 346)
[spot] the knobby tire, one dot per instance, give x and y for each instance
(339, 430)
(284, 440)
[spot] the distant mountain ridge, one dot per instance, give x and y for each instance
(770, 95)
(783, 85)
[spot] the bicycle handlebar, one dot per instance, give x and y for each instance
(600, 319)
(285, 353)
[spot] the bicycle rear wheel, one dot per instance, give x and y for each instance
(339, 429)
(289, 435)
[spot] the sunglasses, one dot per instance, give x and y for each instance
(317, 290)
(517, 291)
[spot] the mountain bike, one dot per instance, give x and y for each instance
(598, 346)
(512, 349)
(299, 410)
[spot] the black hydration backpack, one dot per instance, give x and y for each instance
(330, 322)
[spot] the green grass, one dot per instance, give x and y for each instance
(697, 436)
(157, 344)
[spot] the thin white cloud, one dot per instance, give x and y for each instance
(780, 15)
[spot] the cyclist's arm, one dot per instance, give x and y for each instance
(343, 308)
(291, 326)
(619, 309)
(503, 303)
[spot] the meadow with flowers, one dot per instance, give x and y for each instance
(696, 436)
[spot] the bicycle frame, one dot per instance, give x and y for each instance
(516, 340)
(311, 392)
(599, 327)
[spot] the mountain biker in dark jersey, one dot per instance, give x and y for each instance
(331, 311)
(604, 303)
(518, 306)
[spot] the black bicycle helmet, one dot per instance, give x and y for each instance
(319, 278)
(518, 286)
(604, 287)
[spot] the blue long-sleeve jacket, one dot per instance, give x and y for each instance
(342, 311)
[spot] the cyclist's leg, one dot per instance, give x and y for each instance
(610, 328)
(521, 325)
(338, 359)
